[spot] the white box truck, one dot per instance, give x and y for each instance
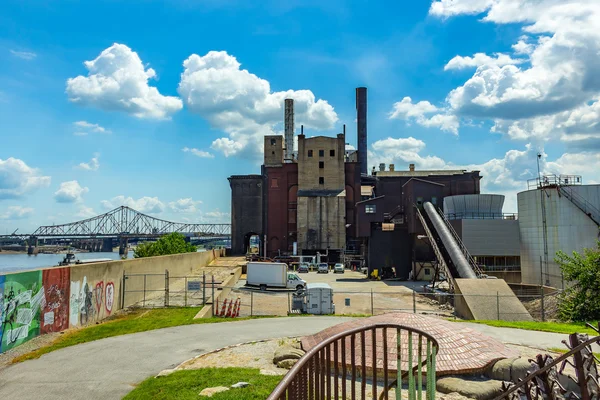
(269, 274)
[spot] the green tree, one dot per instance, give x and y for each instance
(173, 243)
(580, 301)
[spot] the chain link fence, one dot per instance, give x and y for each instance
(163, 290)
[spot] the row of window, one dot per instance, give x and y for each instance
(275, 183)
(322, 153)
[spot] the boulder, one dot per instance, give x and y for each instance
(510, 369)
(287, 353)
(209, 392)
(165, 372)
(287, 364)
(474, 389)
(240, 385)
(269, 372)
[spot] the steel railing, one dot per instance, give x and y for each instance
(478, 215)
(581, 203)
(436, 250)
(337, 367)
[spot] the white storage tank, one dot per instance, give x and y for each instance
(319, 299)
(569, 228)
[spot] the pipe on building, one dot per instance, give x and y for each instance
(458, 258)
(361, 127)
(289, 129)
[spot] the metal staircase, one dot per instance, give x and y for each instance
(581, 203)
(462, 246)
(438, 253)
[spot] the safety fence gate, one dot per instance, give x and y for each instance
(164, 290)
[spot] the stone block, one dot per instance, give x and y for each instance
(209, 392)
(474, 389)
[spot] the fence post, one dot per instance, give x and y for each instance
(166, 288)
(251, 303)
(185, 295)
(543, 306)
(203, 289)
(213, 295)
(289, 304)
(414, 302)
(372, 310)
(498, 304)
(123, 290)
(144, 302)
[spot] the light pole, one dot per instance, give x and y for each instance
(544, 222)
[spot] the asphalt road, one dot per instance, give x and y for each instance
(109, 368)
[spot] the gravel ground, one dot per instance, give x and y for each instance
(34, 344)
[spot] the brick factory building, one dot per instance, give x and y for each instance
(321, 199)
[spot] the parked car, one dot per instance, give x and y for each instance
(338, 268)
(323, 268)
(303, 267)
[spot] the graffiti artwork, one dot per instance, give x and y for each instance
(24, 297)
(81, 304)
(55, 316)
(110, 296)
(1, 309)
(98, 296)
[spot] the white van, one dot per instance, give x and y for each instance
(269, 274)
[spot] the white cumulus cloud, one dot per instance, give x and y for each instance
(187, 205)
(18, 179)
(85, 212)
(151, 205)
(117, 80)
(479, 59)
(242, 104)
(70, 192)
(16, 212)
(92, 165)
(198, 153)
(409, 111)
(83, 128)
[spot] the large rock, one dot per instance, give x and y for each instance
(474, 389)
(209, 392)
(287, 364)
(510, 369)
(287, 353)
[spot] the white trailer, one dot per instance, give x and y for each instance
(269, 274)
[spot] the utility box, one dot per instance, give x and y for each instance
(319, 299)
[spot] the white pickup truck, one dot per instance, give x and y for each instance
(269, 274)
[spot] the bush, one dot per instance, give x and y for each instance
(173, 243)
(581, 299)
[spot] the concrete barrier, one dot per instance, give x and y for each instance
(54, 299)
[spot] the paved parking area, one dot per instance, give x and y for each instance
(353, 294)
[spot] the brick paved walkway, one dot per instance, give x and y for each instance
(462, 350)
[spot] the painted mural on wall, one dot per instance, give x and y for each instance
(24, 297)
(55, 315)
(90, 301)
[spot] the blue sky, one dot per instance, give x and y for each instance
(452, 84)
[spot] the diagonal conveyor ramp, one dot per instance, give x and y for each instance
(477, 297)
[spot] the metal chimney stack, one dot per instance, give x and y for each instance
(361, 127)
(289, 130)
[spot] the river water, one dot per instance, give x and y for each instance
(19, 262)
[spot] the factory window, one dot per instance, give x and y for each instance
(321, 180)
(370, 209)
(332, 153)
(321, 164)
(273, 152)
(419, 201)
(273, 141)
(274, 183)
(310, 153)
(321, 153)
(427, 271)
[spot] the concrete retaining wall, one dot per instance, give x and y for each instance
(54, 299)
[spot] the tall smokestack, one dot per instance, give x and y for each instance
(289, 129)
(361, 127)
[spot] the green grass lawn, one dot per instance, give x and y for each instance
(140, 320)
(188, 384)
(556, 327)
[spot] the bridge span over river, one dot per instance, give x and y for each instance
(121, 225)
